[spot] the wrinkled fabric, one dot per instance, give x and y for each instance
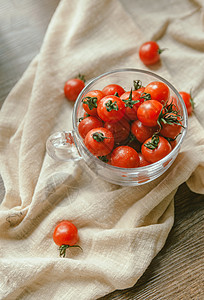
(121, 229)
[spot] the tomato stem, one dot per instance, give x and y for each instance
(137, 84)
(63, 249)
(81, 77)
(153, 144)
(84, 117)
(90, 101)
(129, 102)
(110, 105)
(169, 115)
(99, 136)
(161, 50)
(146, 96)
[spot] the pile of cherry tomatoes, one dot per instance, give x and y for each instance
(130, 129)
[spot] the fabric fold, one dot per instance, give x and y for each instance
(121, 229)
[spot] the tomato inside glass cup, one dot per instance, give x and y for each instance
(70, 145)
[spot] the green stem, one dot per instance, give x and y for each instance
(153, 144)
(86, 116)
(90, 101)
(81, 77)
(110, 105)
(146, 96)
(129, 102)
(169, 115)
(161, 50)
(116, 94)
(99, 136)
(63, 249)
(137, 84)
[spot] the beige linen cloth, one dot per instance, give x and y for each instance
(121, 229)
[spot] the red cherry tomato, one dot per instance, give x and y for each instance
(72, 88)
(155, 148)
(158, 90)
(91, 100)
(99, 141)
(142, 161)
(148, 112)
(141, 90)
(111, 108)
(65, 235)
(112, 89)
(188, 100)
(132, 101)
(117, 142)
(149, 53)
(173, 129)
(120, 129)
(124, 157)
(142, 132)
(87, 124)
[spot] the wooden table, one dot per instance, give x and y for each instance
(176, 273)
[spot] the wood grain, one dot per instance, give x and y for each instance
(22, 26)
(176, 273)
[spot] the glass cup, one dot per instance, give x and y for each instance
(69, 145)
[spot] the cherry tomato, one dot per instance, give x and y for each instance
(148, 112)
(65, 235)
(149, 53)
(142, 161)
(110, 136)
(141, 90)
(120, 129)
(142, 132)
(124, 157)
(113, 89)
(91, 100)
(72, 88)
(87, 124)
(155, 148)
(111, 108)
(158, 90)
(99, 141)
(171, 130)
(188, 100)
(131, 100)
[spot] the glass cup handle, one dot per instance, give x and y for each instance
(61, 146)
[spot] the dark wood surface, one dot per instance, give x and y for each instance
(177, 272)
